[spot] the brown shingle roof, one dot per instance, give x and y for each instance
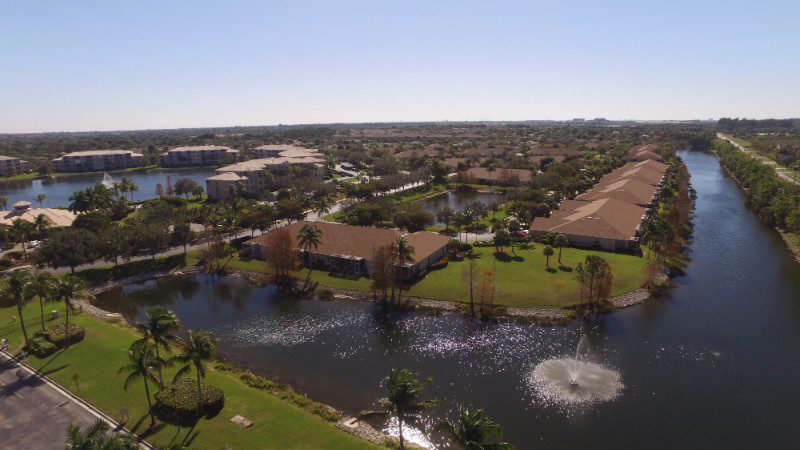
(607, 218)
(632, 170)
(481, 173)
(626, 189)
(341, 239)
(556, 151)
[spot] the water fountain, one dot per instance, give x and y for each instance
(575, 379)
(108, 182)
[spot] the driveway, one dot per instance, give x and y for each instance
(34, 414)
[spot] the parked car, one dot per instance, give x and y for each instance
(34, 244)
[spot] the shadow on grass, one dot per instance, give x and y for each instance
(551, 270)
(564, 268)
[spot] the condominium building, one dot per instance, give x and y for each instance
(97, 160)
(282, 150)
(13, 166)
(203, 155)
(253, 174)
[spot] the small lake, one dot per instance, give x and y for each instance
(713, 364)
(458, 200)
(59, 191)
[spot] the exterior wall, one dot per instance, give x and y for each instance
(219, 189)
(361, 267)
(13, 166)
(92, 163)
(192, 158)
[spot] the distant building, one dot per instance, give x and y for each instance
(499, 177)
(97, 160)
(253, 174)
(203, 155)
(283, 150)
(609, 224)
(23, 210)
(10, 166)
(349, 249)
(219, 186)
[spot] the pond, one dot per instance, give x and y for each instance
(59, 191)
(713, 364)
(458, 200)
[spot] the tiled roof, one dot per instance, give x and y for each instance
(607, 218)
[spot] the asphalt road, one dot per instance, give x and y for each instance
(33, 413)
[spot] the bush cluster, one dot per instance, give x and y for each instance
(176, 403)
(325, 294)
(441, 264)
(41, 347)
(56, 334)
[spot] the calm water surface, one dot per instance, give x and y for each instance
(459, 200)
(712, 365)
(58, 192)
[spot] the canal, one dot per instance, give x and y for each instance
(58, 191)
(713, 364)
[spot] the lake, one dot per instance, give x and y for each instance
(59, 191)
(458, 200)
(713, 364)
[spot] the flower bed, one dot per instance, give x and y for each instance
(56, 333)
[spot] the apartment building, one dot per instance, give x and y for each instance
(10, 166)
(253, 174)
(97, 160)
(283, 150)
(199, 156)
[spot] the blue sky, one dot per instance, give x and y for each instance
(80, 65)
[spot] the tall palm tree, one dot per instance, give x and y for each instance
(22, 228)
(547, 252)
(308, 236)
(560, 241)
(95, 437)
(41, 199)
(17, 288)
(79, 202)
(43, 287)
(474, 431)
(403, 400)
(322, 206)
(41, 222)
(68, 289)
(159, 328)
(142, 360)
(405, 254)
(194, 351)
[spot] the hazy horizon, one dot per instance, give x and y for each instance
(95, 66)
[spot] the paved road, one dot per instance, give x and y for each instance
(763, 160)
(33, 413)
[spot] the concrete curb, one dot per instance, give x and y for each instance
(88, 407)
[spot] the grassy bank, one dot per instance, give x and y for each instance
(521, 281)
(277, 423)
(21, 177)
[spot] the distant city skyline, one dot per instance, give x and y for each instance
(99, 66)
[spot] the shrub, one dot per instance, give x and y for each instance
(176, 403)
(40, 347)
(441, 264)
(56, 333)
(6, 263)
(325, 294)
(466, 247)
(8, 246)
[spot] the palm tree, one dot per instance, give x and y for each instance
(41, 198)
(142, 361)
(42, 223)
(403, 400)
(3, 202)
(43, 287)
(96, 438)
(79, 202)
(474, 431)
(405, 254)
(17, 288)
(68, 289)
(195, 350)
(22, 228)
(159, 328)
(560, 241)
(308, 236)
(548, 252)
(322, 206)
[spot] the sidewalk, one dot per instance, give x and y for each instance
(780, 170)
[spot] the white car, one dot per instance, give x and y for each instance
(34, 244)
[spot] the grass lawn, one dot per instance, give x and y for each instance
(277, 424)
(486, 221)
(522, 281)
(21, 176)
